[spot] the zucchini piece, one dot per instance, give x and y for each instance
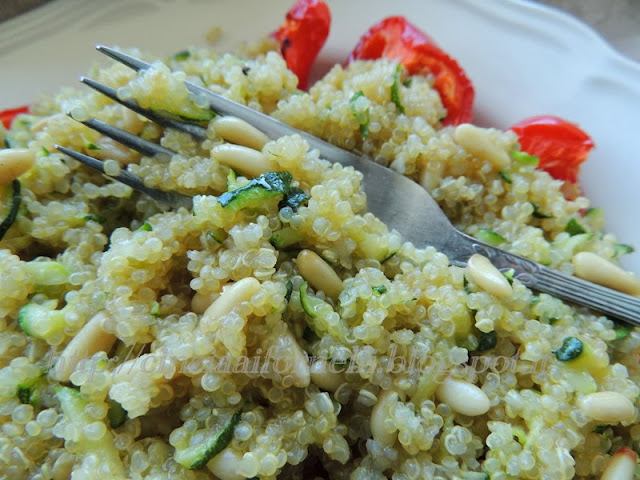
(295, 199)
(574, 227)
(362, 116)
(595, 214)
(622, 330)
(155, 309)
(12, 199)
(395, 89)
(217, 235)
(116, 414)
(323, 318)
(368, 246)
(287, 296)
(490, 237)
(620, 249)
(257, 191)
(487, 341)
(232, 183)
(581, 381)
(40, 321)
(95, 218)
(537, 213)
(311, 304)
(30, 391)
(74, 408)
(524, 158)
(285, 237)
(571, 349)
(207, 443)
(48, 273)
(180, 56)
(505, 176)
(509, 275)
(379, 289)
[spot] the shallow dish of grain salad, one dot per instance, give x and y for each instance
(273, 328)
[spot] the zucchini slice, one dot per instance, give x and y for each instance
(48, 272)
(40, 321)
(257, 191)
(207, 443)
(322, 316)
(12, 200)
(74, 406)
(285, 237)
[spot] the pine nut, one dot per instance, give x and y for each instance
(325, 374)
(43, 122)
(160, 369)
(596, 269)
(245, 160)
(607, 407)
(200, 302)
(131, 122)
(63, 466)
(477, 142)
(622, 465)
(488, 277)
(463, 397)
(296, 361)
(225, 464)
(231, 297)
(14, 162)
(380, 412)
(235, 130)
(91, 338)
(112, 150)
(319, 273)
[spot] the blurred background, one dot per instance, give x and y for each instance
(617, 20)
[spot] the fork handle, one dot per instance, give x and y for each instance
(548, 280)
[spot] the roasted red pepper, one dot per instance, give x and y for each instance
(560, 145)
(397, 39)
(7, 116)
(302, 36)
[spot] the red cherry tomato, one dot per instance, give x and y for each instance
(397, 39)
(302, 36)
(560, 145)
(7, 116)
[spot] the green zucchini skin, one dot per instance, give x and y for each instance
(16, 200)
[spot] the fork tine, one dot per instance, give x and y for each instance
(194, 130)
(270, 126)
(128, 60)
(134, 142)
(128, 178)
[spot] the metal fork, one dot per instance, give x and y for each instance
(397, 200)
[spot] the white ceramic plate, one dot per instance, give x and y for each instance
(524, 59)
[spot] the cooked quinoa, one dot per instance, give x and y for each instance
(411, 370)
